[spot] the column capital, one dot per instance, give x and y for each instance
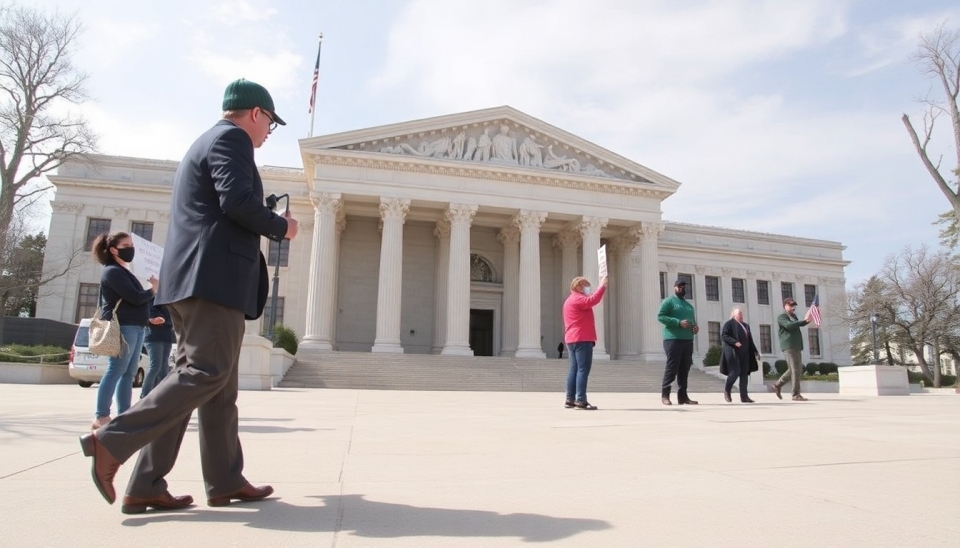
(700, 269)
(460, 213)
(394, 208)
(325, 202)
(567, 238)
(341, 220)
(625, 242)
(442, 229)
(651, 230)
(529, 220)
(589, 225)
(509, 235)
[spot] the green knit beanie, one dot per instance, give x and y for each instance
(243, 94)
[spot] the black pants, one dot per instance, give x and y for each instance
(679, 359)
(737, 372)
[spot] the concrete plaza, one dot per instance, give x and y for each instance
(450, 469)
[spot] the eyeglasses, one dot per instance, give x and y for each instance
(273, 123)
(792, 305)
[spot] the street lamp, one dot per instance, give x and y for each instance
(272, 201)
(873, 321)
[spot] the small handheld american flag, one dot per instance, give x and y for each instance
(815, 310)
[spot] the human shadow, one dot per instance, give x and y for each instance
(371, 519)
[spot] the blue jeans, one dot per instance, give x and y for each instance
(581, 358)
(120, 372)
(159, 353)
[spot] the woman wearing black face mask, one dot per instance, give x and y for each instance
(117, 283)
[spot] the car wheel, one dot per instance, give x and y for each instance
(85, 384)
(138, 378)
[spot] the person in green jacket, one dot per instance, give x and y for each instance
(679, 327)
(791, 342)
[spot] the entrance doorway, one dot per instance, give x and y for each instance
(481, 332)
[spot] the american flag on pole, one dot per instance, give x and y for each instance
(316, 77)
(815, 310)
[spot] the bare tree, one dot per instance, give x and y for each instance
(38, 82)
(938, 56)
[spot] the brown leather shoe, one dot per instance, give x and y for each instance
(247, 493)
(687, 401)
(776, 390)
(798, 397)
(665, 400)
(165, 501)
(746, 400)
(726, 397)
(104, 466)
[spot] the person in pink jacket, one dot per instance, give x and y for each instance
(580, 335)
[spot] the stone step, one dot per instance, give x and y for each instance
(369, 371)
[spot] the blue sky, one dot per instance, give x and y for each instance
(776, 116)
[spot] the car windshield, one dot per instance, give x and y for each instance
(83, 337)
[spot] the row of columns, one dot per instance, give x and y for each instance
(521, 278)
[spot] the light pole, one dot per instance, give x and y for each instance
(272, 201)
(873, 321)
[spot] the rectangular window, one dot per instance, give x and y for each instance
(786, 290)
(713, 288)
(713, 329)
(142, 229)
(766, 340)
(96, 227)
(814, 335)
(809, 293)
(663, 285)
(266, 313)
(763, 292)
(87, 299)
(283, 248)
(739, 290)
(688, 279)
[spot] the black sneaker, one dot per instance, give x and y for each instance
(584, 405)
(568, 404)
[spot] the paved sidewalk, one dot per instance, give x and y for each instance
(443, 469)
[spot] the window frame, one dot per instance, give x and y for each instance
(282, 248)
(142, 224)
(712, 293)
(91, 234)
(93, 290)
(743, 290)
(765, 294)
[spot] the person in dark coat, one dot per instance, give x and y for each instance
(213, 278)
(739, 356)
(158, 340)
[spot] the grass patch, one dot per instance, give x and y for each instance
(46, 354)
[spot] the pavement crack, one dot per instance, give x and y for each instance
(38, 466)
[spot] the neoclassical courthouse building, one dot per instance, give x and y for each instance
(460, 234)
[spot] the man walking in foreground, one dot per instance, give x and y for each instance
(212, 278)
(791, 342)
(679, 327)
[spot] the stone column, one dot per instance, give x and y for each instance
(568, 241)
(510, 238)
(529, 223)
(651, 340)
(442, 233)
(752, 313)
(460, 217)
(393, 212)
(627, 285)
(341, 226)
(321, 285)
(590, 228)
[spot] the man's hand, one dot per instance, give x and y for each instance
(157, 321)
(696, 329)
(738, 345)
(684, 324)
(292, 226)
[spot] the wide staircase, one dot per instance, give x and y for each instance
(368, 371)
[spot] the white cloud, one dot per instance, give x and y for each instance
(893, 40)
(232, 12)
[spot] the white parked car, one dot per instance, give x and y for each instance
(89, 368)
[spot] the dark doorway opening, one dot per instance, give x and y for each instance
(481, 332)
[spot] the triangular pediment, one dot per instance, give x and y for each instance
(494, 137)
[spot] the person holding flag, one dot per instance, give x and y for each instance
(791, 342)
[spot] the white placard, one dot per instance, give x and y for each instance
(146, 260)
(602, 261)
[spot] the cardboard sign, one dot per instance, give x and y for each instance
(602, 261)
(146, 260)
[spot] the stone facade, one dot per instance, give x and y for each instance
(459, 235)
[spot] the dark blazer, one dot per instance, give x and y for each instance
(217, 216)
(743, 357)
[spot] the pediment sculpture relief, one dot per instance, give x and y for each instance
(502, 148)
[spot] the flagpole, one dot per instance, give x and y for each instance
(316, 83)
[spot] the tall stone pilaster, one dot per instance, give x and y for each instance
(460, 217)
(442, 233)
(529, 223)
(651, 342)
(626, 287)
(321, 285)
(590, 228)
(568, 241)
(510, 238)
(393, 213)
